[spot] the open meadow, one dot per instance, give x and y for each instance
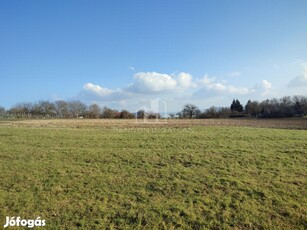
(123, 174)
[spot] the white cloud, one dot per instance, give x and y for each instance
(205, 80)
(238, 90)
(185, 80)
(263, 88)
(300, 81)
(152, 82)
(97, 93)
(214, 87)
(148, 85)
(144, 84)
(264, 84)
(96, 89)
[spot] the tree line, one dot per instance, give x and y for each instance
(62, 109)
(295, 106)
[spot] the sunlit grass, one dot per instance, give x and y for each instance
(167, 177)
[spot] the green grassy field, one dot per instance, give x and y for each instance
(167, 177)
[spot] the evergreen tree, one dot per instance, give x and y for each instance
(236, 106)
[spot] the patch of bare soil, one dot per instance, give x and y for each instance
(295, 123)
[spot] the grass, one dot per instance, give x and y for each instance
(167, 178)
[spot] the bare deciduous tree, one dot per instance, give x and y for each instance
(125, 114)
(108, 113)
(94, 111)
(2, 112)
(76, 108)
(190, 111)
(62, 109)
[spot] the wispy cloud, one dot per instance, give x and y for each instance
(263, 88)
(264, 84)
(299, 81)
(96, 89)
(210, 86)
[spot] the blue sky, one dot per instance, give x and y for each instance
(123, 54)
